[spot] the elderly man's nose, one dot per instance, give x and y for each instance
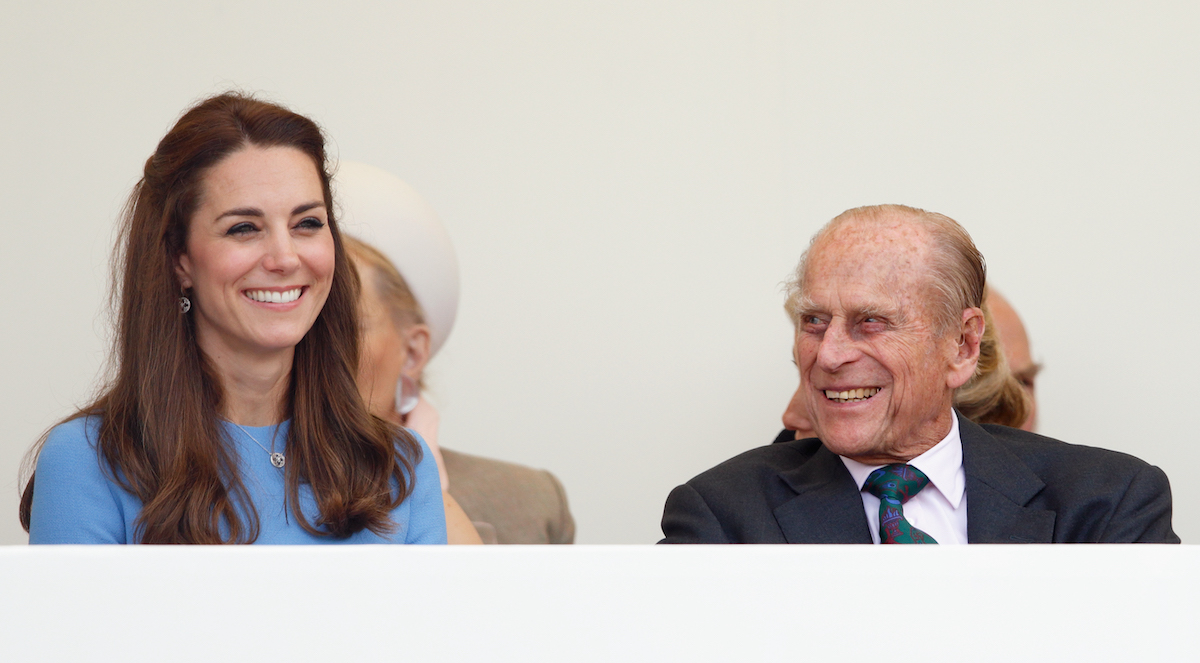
(837, 348)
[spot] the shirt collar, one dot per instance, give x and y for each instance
(942, 463)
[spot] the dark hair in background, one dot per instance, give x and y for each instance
(159, 431)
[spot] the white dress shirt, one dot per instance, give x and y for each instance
(940, 509)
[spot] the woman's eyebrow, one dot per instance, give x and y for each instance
(254, 211)
(241, 211)
(300, 209)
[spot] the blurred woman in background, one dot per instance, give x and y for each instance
(409, 303)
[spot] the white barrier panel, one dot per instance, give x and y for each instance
(599, 603)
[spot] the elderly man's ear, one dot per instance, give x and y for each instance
(966, 354)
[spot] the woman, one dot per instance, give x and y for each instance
(233, 416)
(406, 318)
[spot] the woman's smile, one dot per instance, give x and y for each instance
(274, 295)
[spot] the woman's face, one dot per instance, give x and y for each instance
(259, 257)
(384, 351)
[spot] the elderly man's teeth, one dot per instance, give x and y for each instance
(274, 297)
(852, 395)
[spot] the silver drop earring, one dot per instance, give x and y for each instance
(185, 304)
(407, 395)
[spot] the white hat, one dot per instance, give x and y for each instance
(380, 209)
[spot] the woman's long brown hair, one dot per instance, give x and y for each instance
(159, 416)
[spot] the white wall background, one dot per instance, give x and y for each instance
(628, 183)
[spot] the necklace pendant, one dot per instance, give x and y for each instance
(277, 459)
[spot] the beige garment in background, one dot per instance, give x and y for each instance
(522, 504)
(507, 503)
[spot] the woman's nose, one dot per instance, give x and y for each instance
(281, 255)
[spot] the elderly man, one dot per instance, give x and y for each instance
(887, 306)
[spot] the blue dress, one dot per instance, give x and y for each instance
(74, 502)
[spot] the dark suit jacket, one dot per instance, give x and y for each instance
(1021, 488)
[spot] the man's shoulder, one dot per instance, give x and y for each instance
(757, 464)
(1095, 495)
(1046, 456)
(752, 498)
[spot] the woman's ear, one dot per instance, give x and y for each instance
(183, 269)
(417, 343)
(966, 353)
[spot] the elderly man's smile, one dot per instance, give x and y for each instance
(851, 395)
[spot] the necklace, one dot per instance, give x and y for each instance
(277, 458)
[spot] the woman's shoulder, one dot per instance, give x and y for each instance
(71, 443)
(417, 452)
(81, 430)
(421, 443)
(74, 501)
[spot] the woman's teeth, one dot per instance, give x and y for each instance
(852, 395)
(274, 296)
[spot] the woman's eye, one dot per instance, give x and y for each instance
(310, 223)
(243, 228)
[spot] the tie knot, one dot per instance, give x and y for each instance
(895, 483)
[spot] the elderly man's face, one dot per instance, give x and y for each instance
(877, 378)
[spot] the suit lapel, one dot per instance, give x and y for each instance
(827, 507)
(999, 486)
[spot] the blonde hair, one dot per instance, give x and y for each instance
(959, 280)
(403, 307)
(993, 395)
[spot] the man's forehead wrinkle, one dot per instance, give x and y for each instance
(872, 263)
(868, 255)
